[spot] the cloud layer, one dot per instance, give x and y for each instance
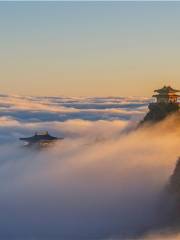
(100, 182)
(62, 109)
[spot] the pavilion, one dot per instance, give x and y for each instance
(40, 139)
(167, 95)
(166, 104)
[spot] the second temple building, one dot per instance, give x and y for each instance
(40, 139)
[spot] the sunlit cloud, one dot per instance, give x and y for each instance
(101, 182)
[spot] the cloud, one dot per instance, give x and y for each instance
(100, 182)
(62, 109)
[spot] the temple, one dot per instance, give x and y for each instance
(166, 95)
(40, 139)
(165, 105)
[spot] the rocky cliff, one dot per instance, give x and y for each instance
(173, 190)
(174, 183)
(159, 111)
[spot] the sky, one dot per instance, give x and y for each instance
(89, 48)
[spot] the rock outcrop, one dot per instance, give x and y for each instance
(173, 191)
(159, 111)
(174, 183)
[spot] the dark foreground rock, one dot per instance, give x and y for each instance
(174, 184)
(173, 190)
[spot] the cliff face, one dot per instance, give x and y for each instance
(159, 111)
(173, 190)
(174, 184)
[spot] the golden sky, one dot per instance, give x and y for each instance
(97, 48)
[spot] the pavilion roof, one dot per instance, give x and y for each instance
(39, 136)
(166, 90)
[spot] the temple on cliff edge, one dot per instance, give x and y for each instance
(40, 139)
(166, 104)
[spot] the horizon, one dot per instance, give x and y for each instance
(86, 96)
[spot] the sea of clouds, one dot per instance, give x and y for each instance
(105, 180)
